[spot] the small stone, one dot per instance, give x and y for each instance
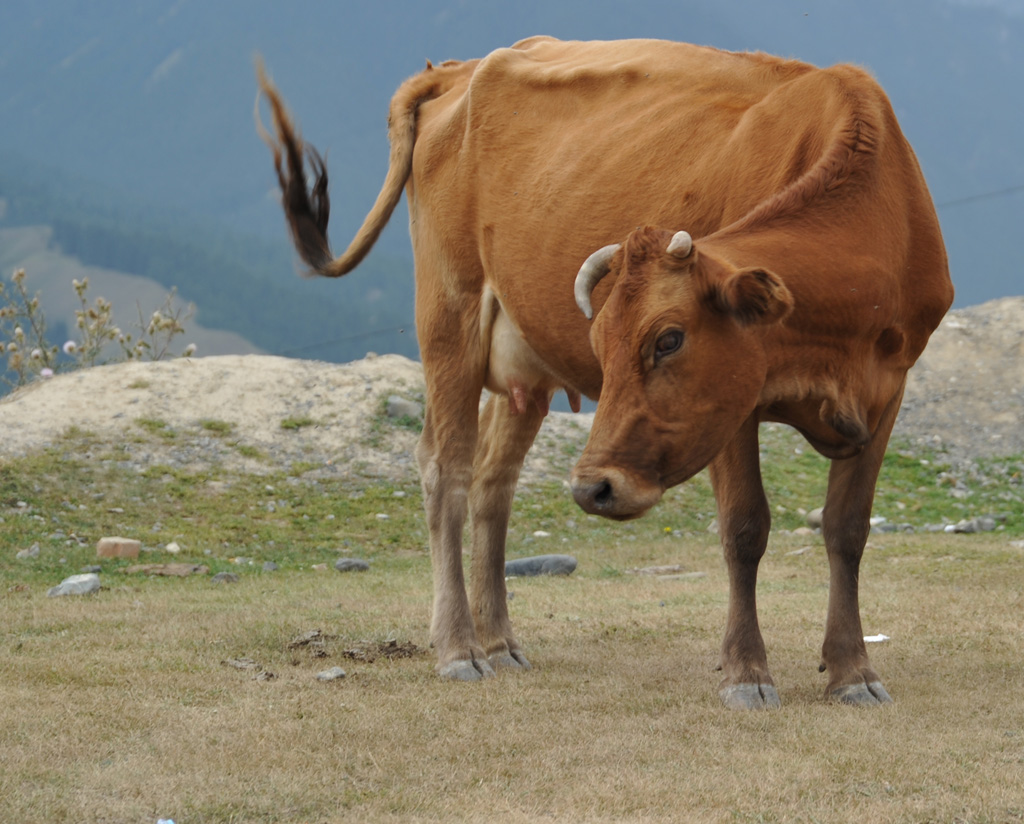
(91, 568)
(382, 516)
(540, 565)
(814, 518)
(225, 578)
(270, 566)
(31, 552)
(118, 548)
(332, 674)
(540, 533)
(76, 585)
(351, 565)
(320, 567)
(803, 530)
(172, 548)
(972, 525)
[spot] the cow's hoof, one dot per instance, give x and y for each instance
(509, 660)
(750, 697)
(466, 670)
(864, 694)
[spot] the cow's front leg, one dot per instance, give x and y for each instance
(845, 525)
(503, 443)
(743, 522)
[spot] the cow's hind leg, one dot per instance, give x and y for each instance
(743, 522)
(502, 445)
(445, 460)
(845, 525)
(453, 372)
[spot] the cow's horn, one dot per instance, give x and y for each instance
(593, 269)
(681, 245)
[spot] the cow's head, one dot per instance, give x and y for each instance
(680, 340)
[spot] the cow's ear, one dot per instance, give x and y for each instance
(753, 296)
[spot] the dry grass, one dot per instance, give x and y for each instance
(117, 708)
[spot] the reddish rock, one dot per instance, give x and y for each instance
(118, 548)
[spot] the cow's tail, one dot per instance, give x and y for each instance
(308, 210)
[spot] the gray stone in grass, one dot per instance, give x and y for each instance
(31, 552)
(332, 674)
(225, 578)
(540, 565)
(981, 524)
(351, 565)
(84, 584)
(814, 518)
(270, 566)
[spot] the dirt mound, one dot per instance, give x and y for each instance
(965, 396)
(258, 413)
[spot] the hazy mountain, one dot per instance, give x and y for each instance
(147, 107)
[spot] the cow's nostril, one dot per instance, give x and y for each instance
(603, 493)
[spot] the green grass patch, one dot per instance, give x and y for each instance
(155, 426)
(296, 423)
(216, 427)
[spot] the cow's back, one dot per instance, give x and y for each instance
(548, 150)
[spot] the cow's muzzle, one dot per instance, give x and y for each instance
(613, 494)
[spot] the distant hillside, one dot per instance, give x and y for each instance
(154, 100)
(127, 129)
(240, 284)
(50, 273)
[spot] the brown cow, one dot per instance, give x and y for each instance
(806, 283)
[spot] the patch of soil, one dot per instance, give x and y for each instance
(370, 651)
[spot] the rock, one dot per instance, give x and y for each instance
(399, 407)
(540, 565)
(118, 548)
(332, 674)
(225, 578)
(351, 565)
(981, 524)
(270, 566)
(31, 552)
(172, 548)
(814, 518)
(91, 568)
(76, 585)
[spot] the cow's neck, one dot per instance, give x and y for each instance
(840, 357)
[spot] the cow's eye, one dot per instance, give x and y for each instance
(667, 344)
